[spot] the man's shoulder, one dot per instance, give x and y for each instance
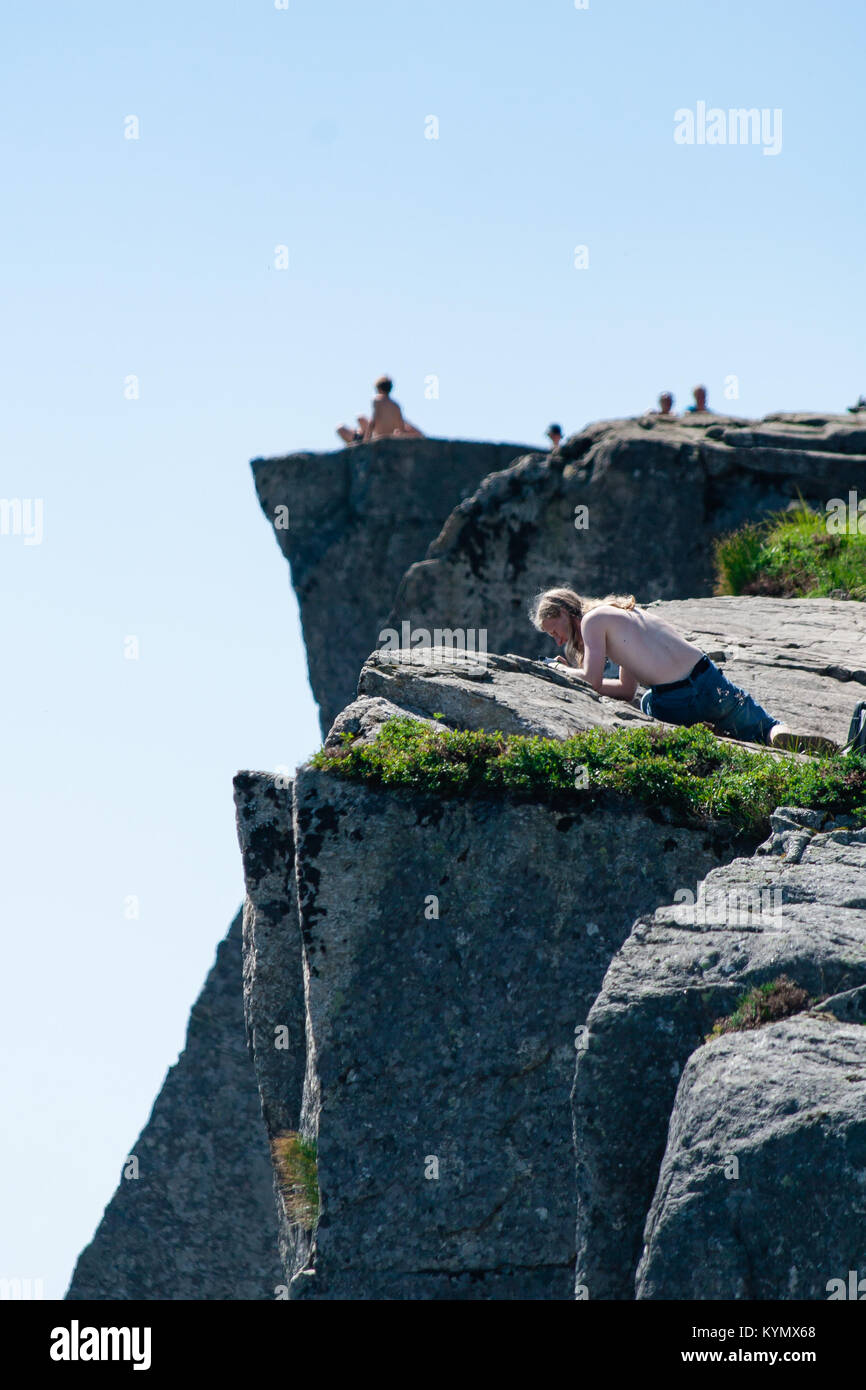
(598, 615)
(604, 612)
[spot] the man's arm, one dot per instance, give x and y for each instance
(371, 423)
(623, 689)
(594, 633)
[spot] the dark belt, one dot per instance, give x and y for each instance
(697, 670)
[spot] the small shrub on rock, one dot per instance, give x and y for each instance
(779, 998)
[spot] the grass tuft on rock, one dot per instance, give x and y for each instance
(295, 1161)
(695, 776)
(779, 998)
(792, 555)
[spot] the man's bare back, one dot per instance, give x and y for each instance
(645, 647)
(650, 652)
(386, 418)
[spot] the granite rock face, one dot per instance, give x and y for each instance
(490, 1015)
(458, 955)
(803, 659)
(508, 693)
(354, 521)
(762, 1189)
(797, 908)
(655, 495)
(378, 536)
(273, 984)
(451, 950)
(198, 1222)
(273, 979)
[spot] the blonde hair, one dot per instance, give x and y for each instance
(552, 602)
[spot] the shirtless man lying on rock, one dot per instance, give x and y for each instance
(683, 685)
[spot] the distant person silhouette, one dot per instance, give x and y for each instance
(554, 434)
(861, 405)
(387, 418)
(700, 406)
(666, 404)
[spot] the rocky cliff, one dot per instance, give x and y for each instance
(457, 1046)
(633, 504)
(378, 536)
(449, 950)
(350, 524)
(766, 1138)
(193, 1216)
(679, 1140)
(460, 954)
(805, 661)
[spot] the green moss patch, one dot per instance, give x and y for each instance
(792, 555)
(779, 998)
(696, 777)
(295, 1161)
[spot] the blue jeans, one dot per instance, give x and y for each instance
(711, 698)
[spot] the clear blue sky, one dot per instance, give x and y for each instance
(155, 258)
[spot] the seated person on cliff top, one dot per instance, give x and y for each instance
(666, 406)
(683, 685)
(387, 418)
(700, 406)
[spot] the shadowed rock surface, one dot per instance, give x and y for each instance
(274, 1010)
(665, 988)
(848, 1007)
(787, 1103)
(357, 519)
(273, 984)
(198, 1222)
